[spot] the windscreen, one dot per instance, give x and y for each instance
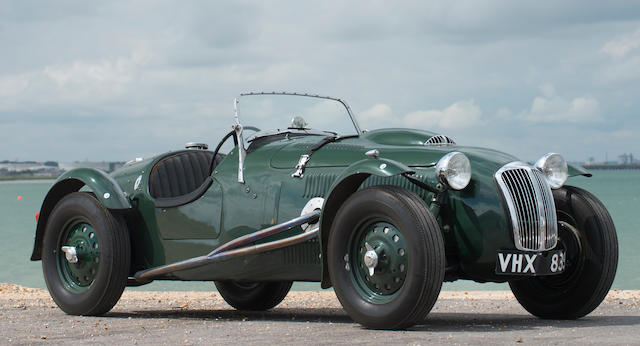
(273, 113)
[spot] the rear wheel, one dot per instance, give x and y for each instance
(86, 255)
(386, 257)
(587, 234)
(253, 295)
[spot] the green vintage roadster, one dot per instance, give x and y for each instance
(384, 217)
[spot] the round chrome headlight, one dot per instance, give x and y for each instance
(454, 170)
(554, 168)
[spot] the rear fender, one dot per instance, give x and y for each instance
(105, 188)
(346, 184)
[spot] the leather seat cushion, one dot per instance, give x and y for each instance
(181, 173)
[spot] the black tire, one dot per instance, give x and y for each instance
(79, 218)
(376, 302)
(255, 296)
(587, 233)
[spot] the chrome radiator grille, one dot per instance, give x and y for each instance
(531, 207)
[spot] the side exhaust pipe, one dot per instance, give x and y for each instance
(238, 248)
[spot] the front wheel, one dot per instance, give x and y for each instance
(86, 255)
(386, 257)
(255, 296)
(587, 234)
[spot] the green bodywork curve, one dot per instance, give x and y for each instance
(473, 221)
(105, 188)
(380, 167)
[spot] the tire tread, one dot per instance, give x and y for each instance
(264, 297)
(100, 299)
(432, 269)
(577, 199)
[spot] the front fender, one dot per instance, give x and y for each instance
(347, 183)
(105, 188)
(103, 185)
(379, 167)
(575, 170)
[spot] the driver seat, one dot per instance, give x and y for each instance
(182, 177)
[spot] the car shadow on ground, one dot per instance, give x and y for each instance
(503, 322)
(322, 315)
(435, 322)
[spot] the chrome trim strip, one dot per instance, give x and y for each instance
(242, 152)
(285, 93)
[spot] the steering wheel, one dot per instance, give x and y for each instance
(252, 128)
(224, 139)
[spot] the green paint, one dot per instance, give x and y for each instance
(107, 190)
(393, 261)
(77, 277)
(473, 220)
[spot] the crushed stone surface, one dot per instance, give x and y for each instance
(30, 316)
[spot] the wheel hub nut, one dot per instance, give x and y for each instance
(370, 259)
(70, 253)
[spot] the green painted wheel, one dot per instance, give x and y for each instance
(385, 256)
(86, 255)
(81, 237)
(382, 243)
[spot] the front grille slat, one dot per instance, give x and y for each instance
(526, 199)
(549, 207)
(540, 211)
(530, 205)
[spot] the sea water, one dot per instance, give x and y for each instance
(619, 190)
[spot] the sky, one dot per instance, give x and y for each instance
(115, 80)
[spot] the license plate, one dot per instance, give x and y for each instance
(532, 264)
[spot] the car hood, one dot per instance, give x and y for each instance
(402, 145)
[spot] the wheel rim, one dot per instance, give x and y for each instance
(391, 255)
(77, 277)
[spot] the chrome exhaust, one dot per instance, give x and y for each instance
(235, 247)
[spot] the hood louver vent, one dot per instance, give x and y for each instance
(439, 140)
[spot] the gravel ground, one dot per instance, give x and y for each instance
(29, 316)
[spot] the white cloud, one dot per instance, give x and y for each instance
(78, 67)
(379, 115)
(105, 78)
(623, 71)
(551, 108)
(460, 114)
(504, 112)
(79, 82)
(548, 90)
(623, 134)
(13, 85)
(619, 47)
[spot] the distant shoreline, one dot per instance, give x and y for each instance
(611, 167)
(27, 177)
